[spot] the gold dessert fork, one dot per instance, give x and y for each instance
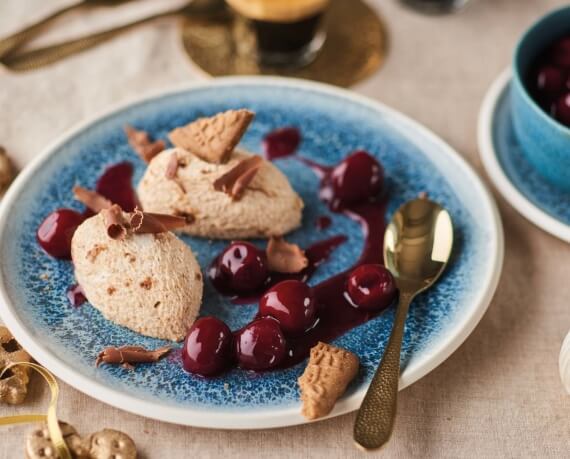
(11, 44)
(417, 247)
(21, 61)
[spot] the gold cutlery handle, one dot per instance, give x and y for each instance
(375, 419)
(12, 43)
(43, 56)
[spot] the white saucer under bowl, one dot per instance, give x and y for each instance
(534, 198)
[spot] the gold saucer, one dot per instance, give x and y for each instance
(355, 47)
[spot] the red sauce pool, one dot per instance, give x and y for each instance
(336, 315)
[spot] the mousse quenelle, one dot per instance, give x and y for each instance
(222, 191)
(138, 273)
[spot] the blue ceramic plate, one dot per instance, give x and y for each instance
(531, 195)
(333, 122)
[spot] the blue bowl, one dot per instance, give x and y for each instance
(545, 142)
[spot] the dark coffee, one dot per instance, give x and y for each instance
(286, 37)
(287, 32)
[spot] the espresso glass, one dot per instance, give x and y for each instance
(288, 33)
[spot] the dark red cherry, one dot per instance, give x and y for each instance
(357, 178)
(281, 142)
(560, 54)
(55, 232)
(561, 109)
(208, 347)
(371, 287)
(260, 345)
(241, 268)
(549, 79)
(116, 185)
(292, 303)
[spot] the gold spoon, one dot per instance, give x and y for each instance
(417, 246)
(9, 45)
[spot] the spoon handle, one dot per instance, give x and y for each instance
(43, 56)
(12, 43)
(375, 419)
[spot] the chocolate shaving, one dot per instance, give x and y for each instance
(147, 222)
(139, 222)
(172, 167)
(172, 170)
(91, 199)
(284, 257)
(235, 181)
(129, 355)
(115, 222)
(141, 143)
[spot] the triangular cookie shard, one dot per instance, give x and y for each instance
(213, 139)
(328, 373)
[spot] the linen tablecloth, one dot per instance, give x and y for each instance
(499, 395)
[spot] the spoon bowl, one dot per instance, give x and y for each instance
(417, 246)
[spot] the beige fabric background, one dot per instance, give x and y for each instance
(499, 395)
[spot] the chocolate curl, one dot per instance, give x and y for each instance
(149, 223)
(172, 167)
(115, 222)
(283, 257)
(235, 181)
(141, 143)
(91, 199)
(129, 355)
(136, 219)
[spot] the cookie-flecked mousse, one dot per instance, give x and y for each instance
(223, 192)
(137, 273)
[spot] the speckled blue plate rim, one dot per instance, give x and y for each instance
(439, 349)
(534, 199)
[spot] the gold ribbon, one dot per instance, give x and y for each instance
(51, 417)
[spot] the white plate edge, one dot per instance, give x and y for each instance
(492, 166)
